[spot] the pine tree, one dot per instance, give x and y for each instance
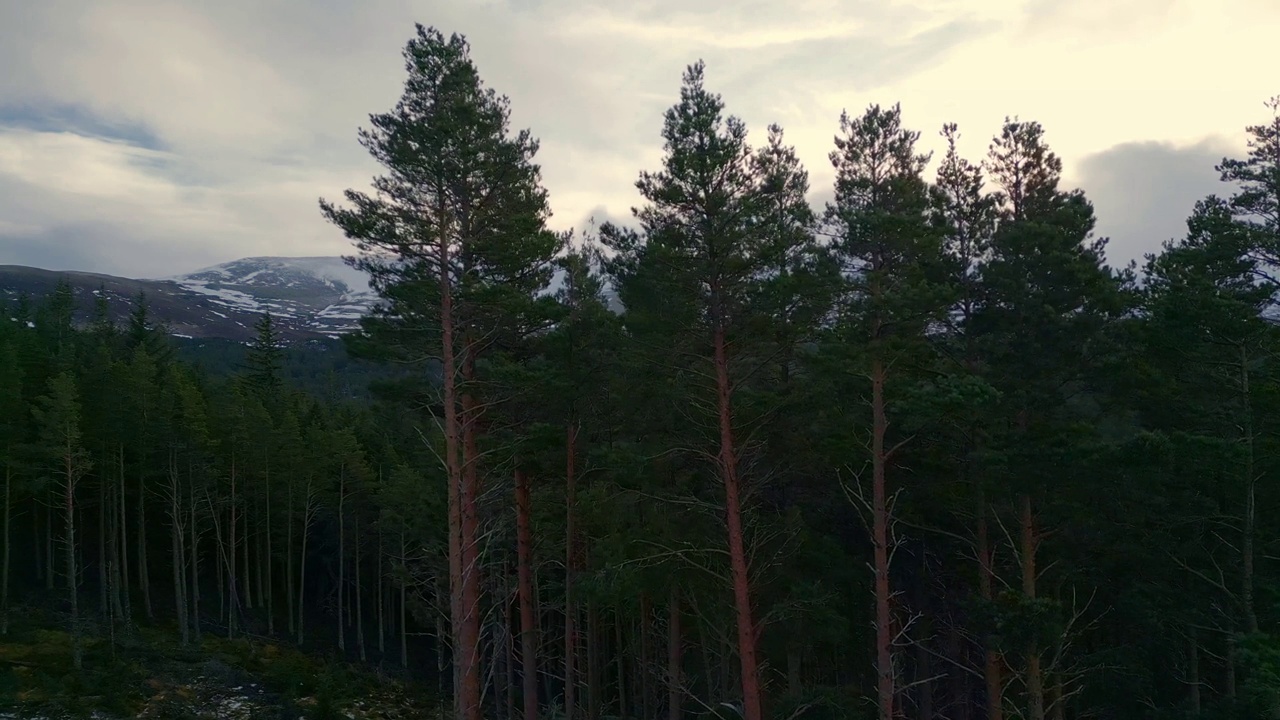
(882, 237)
(967, 216)
(722, 230)
(1256, 204)
(1048, 299)
(455, 243)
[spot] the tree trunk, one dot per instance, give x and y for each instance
(593, 662)
(37, 541)
(986, 576)
(793, 668)
(404, 631)
(382, 600)
(342, 554)
(1193, 673)
(737, 553)
(290, 603)
(528, 628)
(4, 560)
(675, 657)
(307, 511)
(220, 562)
(69, 467)
(923, 665)
(244, 555)
(124, 548)
(453, 466)
(646, 686)
(570, 558)
(178, 546)
(144, 577)
(267, 561)
(880, 539)
(508, 622)
(195, 568)
(50, 570)
(233, 597)
(1250, 507)
(359, 606)
(103, 582)
(468, 657)
(113, 556)
(624, 710)
(1035, 681)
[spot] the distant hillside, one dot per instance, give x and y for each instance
(312, 298)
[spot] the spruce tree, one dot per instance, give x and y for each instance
(265, 358)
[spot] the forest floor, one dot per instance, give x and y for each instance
(149, 674)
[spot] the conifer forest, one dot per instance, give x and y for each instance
(920, 453)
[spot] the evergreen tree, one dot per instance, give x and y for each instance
(1048, 301)
(455, 243)
(265, 358)
(722, 233)
(58, 417)
(893, 257)
(12, 437)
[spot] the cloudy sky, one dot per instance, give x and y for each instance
(148, 138)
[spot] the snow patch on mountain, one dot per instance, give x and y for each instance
(321, 294)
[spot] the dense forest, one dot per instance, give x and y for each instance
(921, 453)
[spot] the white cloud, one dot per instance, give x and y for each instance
(245, 112)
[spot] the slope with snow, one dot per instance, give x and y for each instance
(318, 294)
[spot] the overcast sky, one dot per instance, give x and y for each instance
(151, 138)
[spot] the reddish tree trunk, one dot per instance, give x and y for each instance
(453, 466)
(528, 629)
(737, 555)
(880, 532)
(571, 609)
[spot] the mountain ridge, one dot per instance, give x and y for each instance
(311, 298)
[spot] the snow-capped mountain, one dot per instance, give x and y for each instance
(311, 298)
(320, 294)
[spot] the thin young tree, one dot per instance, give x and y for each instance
(58, 416)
